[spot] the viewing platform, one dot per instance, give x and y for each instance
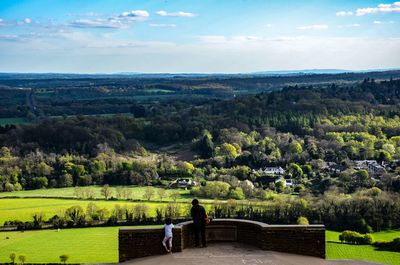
(233, 253)
(227, 237)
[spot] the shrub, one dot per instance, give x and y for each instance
(215, 189)
(353, 237)
(237, 194)
(22, 258)
(302, 221)
(76, 215)
(64, 258)
(9, 187)
(57, 221)
(393, 245)
(12, 257)
(367, 239)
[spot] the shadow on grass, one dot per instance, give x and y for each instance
(376, 248)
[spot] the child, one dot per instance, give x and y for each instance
(168, 235)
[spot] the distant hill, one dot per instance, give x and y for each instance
(6, 75)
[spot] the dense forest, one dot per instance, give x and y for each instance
(337, 146)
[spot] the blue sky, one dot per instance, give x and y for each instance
(197, 35)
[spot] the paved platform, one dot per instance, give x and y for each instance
(236, 254)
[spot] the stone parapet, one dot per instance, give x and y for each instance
(298, 239)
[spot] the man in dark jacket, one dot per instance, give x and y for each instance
(199, 216)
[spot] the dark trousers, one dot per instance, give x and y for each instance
(200, 231)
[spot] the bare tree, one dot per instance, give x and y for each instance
(106, 191)
(161, 193)
(175, 195)
(148, 193)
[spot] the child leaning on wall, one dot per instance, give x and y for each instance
(167, 241)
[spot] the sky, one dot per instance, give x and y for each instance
(197, 36)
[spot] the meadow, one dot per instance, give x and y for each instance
(85, 245)
(22, 209)
(14, 121)
(337, 250)
(94, 245)
(137, 193)
(100, 245)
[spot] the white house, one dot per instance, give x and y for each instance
(363, 164)
(272, 171)
(183, 183)
(375, 168)
(287, 182)
(372, 166)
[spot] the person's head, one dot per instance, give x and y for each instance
(195, 202)
(168, 221)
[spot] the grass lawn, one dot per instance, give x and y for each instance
(23, 208)
(100, 245)
(137, 193)
(5, 121)
(337, 250)
(84, 245)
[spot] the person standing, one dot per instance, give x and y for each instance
(199, 217)
(168, 235)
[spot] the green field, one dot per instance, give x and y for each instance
(337, 250)
(95, 245)
(137, 193)
(85, 245)
(100, 244)
(5, 121)
(22, 209)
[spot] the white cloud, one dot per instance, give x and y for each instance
(97, 23)
(27, 20)
(344, 13)
(174, 14)
(219, 39)
(313, 27)
(123, 20)
(136, 14)
(381, 8)
(86, 52)
(86, 14)
(212, 39)
(378, 22)
(355, 25)
(269, 25)
(162, 25)
(10, 37)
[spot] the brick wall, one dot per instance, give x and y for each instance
(136, 243)
(298, 239)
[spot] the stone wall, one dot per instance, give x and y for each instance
(298, 239)
(136, 243)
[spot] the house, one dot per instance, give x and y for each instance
(363, 164)
(272, 171)
(372, 166)
(335, 168)
(287, 182)
(376, 169)
(183, 183)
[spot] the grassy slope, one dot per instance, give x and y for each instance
(5, 121)
(97, 245)
(137, 193)
(337, 250)
(85, 245)
(22, 209)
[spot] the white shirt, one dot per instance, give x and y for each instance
(168, 230)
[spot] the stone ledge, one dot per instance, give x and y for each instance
(297, 239)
